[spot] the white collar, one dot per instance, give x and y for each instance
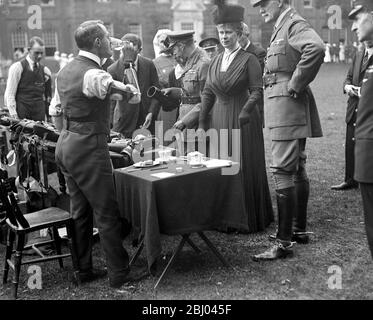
(281, 17)
(370, 51)
(229, 52)
(30, 61)
(91, 56)
(248, 45)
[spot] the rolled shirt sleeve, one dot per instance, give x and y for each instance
(14, 76)
(97, 83)
(55, 105)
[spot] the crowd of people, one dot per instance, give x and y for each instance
(218, 84)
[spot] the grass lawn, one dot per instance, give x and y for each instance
(336, 218)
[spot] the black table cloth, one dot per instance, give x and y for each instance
(191, 201)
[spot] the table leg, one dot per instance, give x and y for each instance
(213, 249)
(192, 244)
(137, 253)
(172, 259)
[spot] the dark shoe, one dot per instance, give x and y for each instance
(91, 275)
(298, 237)
(301, 237)
(131, 276)
(345, 186)
(277, 251)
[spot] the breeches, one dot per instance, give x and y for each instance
(288, 162)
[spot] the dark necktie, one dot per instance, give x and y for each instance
(35, 66)
(365, 62)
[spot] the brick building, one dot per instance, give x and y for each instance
(144, 17)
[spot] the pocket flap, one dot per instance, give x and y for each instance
(277, 49)
(278, 90)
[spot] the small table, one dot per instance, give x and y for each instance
(192, 201)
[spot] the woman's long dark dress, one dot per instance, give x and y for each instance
(226, 93)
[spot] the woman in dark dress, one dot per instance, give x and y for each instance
(232, 91)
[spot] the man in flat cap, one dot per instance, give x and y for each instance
(362, 17)
(194, 62)
(294, 58)
(211, 46)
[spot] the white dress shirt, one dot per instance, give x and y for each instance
(228, 57)
(14, 76)
(96, 83)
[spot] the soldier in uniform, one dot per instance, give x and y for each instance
(352, 84)
(362, 17)
(211, 46)
(194, 62)
(294, 58)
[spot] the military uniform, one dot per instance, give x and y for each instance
(364, 141)
(192, 81)
(293, 60)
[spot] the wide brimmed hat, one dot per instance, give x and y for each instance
(225, 13)
(255, 3)
(360, 6)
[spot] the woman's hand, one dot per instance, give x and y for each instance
(244, 117)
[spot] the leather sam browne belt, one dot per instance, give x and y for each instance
(190, 100)
(270, 79)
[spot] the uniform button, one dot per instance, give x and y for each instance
(353, 139)
(356, 110)
(354, 124)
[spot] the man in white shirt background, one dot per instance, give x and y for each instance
(28, 89)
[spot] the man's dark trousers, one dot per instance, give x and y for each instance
(367, 194)
(349, 150)
(90, 181)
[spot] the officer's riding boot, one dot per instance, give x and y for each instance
(302, 189)
(286, 201)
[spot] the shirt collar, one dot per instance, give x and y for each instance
(30, 61)
(248, 45)
(229, 52)
(281, 17)
(91, 56)
(370, 51)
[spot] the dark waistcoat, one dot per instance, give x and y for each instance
(31, 86)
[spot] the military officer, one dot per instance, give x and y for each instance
(211, 46)
(362, 17)
(294, 58)
(194, 63)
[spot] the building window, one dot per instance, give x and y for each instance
(103, 1)
(187, 26)
(307, 3)
(210, 31)
(165, 26)
(136, 29)
(19, 41)
(47, 3)
(16, 3)
(51, 42)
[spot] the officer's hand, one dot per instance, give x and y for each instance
(148, 121)
(131, 88)
(179, 125)
(351, 90)
(201, 134)
(14, 116)
(293, 93)
(174, 93)
(243, 118)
